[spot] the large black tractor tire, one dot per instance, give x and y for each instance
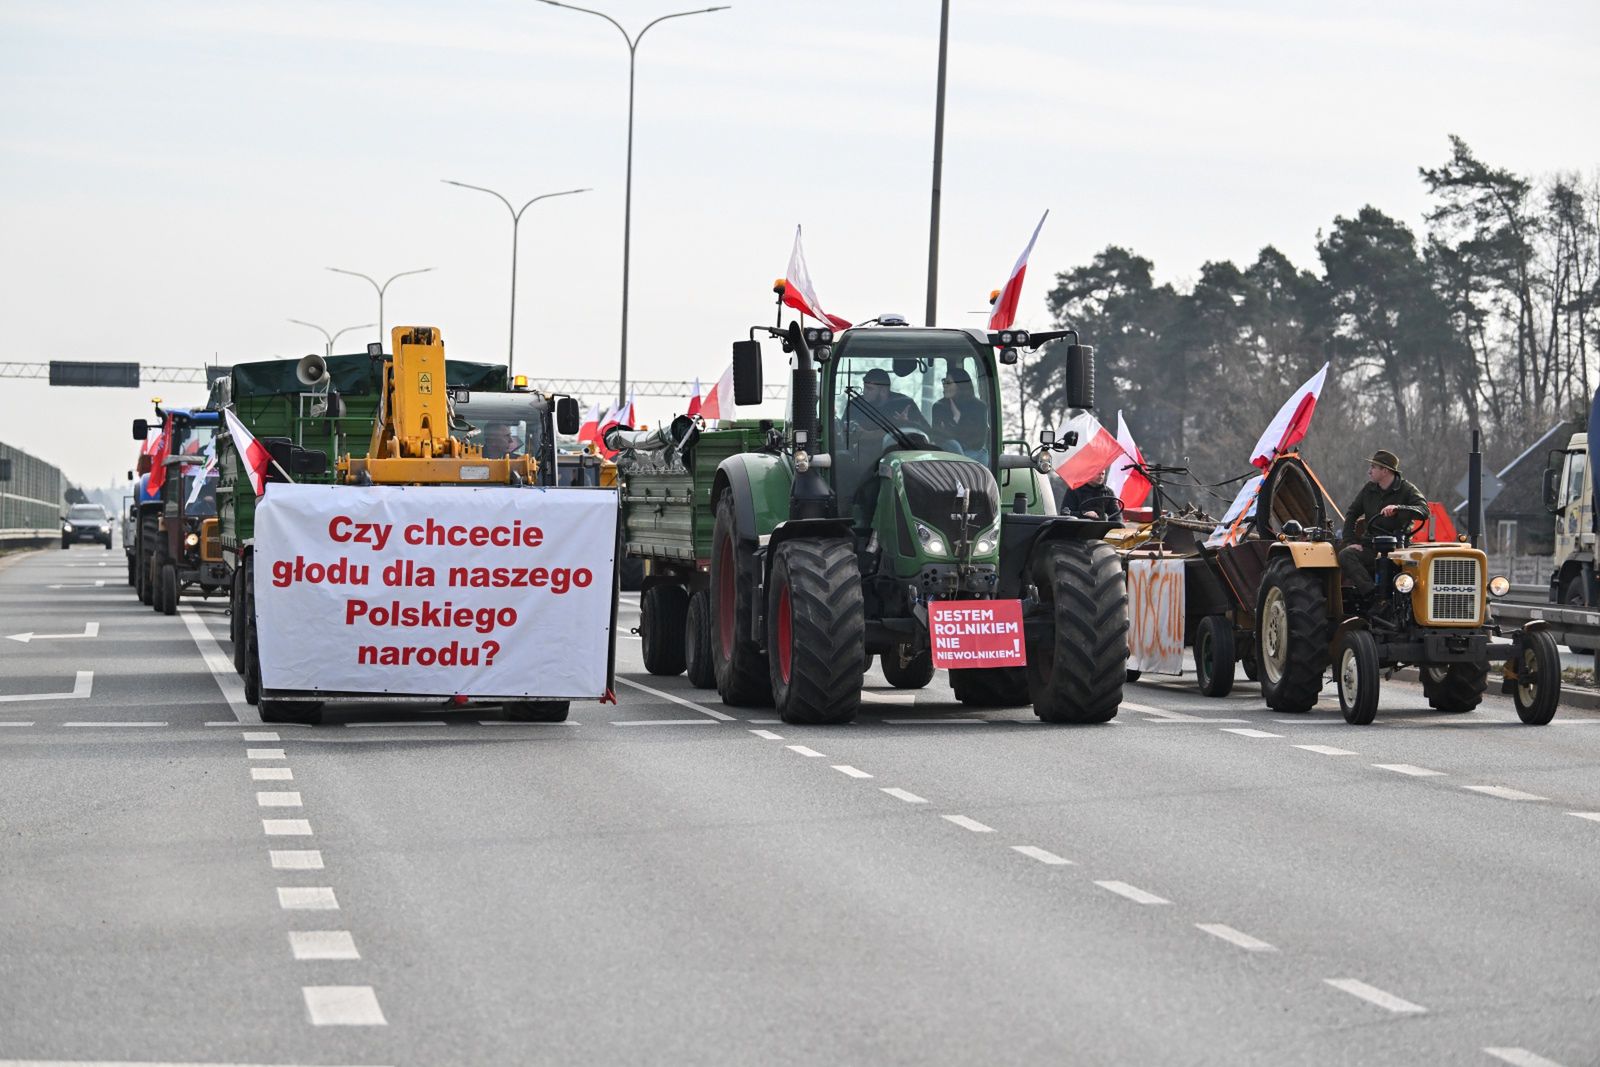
(1252, 668)
(238, 609)
(743, 680)
(1538, 689)
(133, 571)
(1076, 671)
(168, 592)
(1291, 637)
(697, 642)
(301, 713)
(537, 710)
(663, 611)
(1454, 687)
(1355, 673)
(252, 666)
(146, 585)
(630, 573)
(991, 687)
(816, 631)
(1213, 656)
(908, 672)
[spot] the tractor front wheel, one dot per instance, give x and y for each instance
(1357, 675)
(906, 669)
(1291, 637)
(1538, 688)
(739, 663)
(816, 631)
(1076, 671)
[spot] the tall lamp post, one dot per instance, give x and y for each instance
(516, 220)
(938, 169)
(332, 337)
(380, 288)
(627, 196)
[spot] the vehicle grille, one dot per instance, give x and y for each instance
(930, 489)
(1454, 590)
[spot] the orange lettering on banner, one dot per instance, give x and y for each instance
(1156, 604)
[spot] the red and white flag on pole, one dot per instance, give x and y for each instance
(718, 403)
(694, 400)
(1004, 314)
(1125, 479)
(1094, 452)
(589, 429)
(1291, 422)
(609, 419)
(800, 294)
(252, 453)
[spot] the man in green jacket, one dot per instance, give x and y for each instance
(1390, 505)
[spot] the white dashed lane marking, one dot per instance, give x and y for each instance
(664, 722)
(1502, 792)
(1373, 995)
(103, 725)
(1592, 816)
(1327, 750)
(1041, 855)
(259, 735)
(264, 753)
(343, 1005)
(1242, 732)
(802, 750)
(768, 735)
(286, 827)
(1236, 937)
(1520, 1057)
(1133, 893)
(901, 794)
(271, 774)
(307, 898)
(323, 945)
(846, 769)
(968, 824)
(306, 859)
(287, 799)
(937, 722)
(1407, 768)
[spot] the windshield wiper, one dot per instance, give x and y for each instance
(878, 417)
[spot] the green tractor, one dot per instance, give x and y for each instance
(887, 493)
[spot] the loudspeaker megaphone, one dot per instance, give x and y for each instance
(312, 370)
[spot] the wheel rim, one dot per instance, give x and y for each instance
(1202, 656)
(1274, 635)
(1438, 674)
(1528, 678)
(785, 633)
(725, 598)
(1349, 676)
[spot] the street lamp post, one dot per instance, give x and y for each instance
(380, 288)
(938, 169)
(516, 220)
(627, 196)
(332, 337)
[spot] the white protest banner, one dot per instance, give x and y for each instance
(1155, 615)
(435, 590)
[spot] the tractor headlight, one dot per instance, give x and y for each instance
(1404, 583)
(66, 527)
(192, 540)
(931, 542)
(988, 541)
(1499, 585)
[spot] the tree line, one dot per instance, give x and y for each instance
(1489, 320)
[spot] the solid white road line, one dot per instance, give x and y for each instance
(1247, 733)
(1374, 995)
(221, 667)
(264, 753)
(116, 724)
(801, 750)
(1592, 816)
(718, 715)
(82, 687)
(286, 827)
(1041, 855)
(16, 724)
(1133, 893)
(767, 735)
(1502, 792)
(307, 898)
(1520, 1057)
(398, 722)
(901, 794)
(937, 722)
(1407, 768)
(664, 722)
(284, 799)
(323, 945)
(1237, 937)
(305, 859)
(845, 768)
(343, 1005)
(259, 735)
(1327, 750)
(968, 824)
(271, 774)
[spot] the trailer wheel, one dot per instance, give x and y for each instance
(816, 631)
(741, 667)
(697, 642)
(1454, 687)
(908, 672)
(537, 710)
(290, 711)
(991, 687)
(1076, 672)
(1356, 673)
(236, 615)
(252, 666)
(169, 589)
(1213, 656)
(1291, 637)
(663, 612)
(1538, 688)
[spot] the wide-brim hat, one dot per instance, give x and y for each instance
(1386, 459)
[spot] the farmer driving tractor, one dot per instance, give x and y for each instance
(1387, 506)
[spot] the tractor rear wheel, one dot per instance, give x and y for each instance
(1213, 656)
(1356, 673)
(168, 592)
(1076, 672)
(1291, 637)
(1538, 688)
(537, 710)
(133, 571)
(908, 670)
(739, 663)
(663, 610)
(816, 631)
(697, 642)
(146, 586)
(991, 687)
(1454, 687)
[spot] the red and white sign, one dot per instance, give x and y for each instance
(976, 633)
(435, 591)
(1155, 615)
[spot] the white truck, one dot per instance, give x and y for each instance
(1569, 493)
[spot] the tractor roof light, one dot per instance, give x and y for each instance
(520, 383)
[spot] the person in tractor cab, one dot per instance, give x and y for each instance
(897, 407)
(1091, 500)
(961, 418)
(1387, 506)
(498, 443)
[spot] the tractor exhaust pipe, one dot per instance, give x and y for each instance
(1475, 492)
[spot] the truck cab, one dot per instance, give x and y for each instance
(1569, 494)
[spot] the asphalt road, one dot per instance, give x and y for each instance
(670, 881)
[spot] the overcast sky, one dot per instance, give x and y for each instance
(175, 177)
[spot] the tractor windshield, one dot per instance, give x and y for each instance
(197, 445)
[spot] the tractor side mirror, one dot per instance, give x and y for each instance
(1080, 376)
(568, 420)
(141, 429)
(1551, 474)
(747, 388)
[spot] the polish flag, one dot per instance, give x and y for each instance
(1094, 452)
(158, 462)
(800, 294)
(252, 453)
(628, 416)
(607, 421)
(1005, 306)
(694, 401)
(1124, 479)
(1291, 422)
(589, 429)
(720, 397)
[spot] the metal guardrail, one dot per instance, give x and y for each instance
(1577, 628)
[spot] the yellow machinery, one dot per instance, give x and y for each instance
(411, 439)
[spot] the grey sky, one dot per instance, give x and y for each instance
(175, 176)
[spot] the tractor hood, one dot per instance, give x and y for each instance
(935, 482)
